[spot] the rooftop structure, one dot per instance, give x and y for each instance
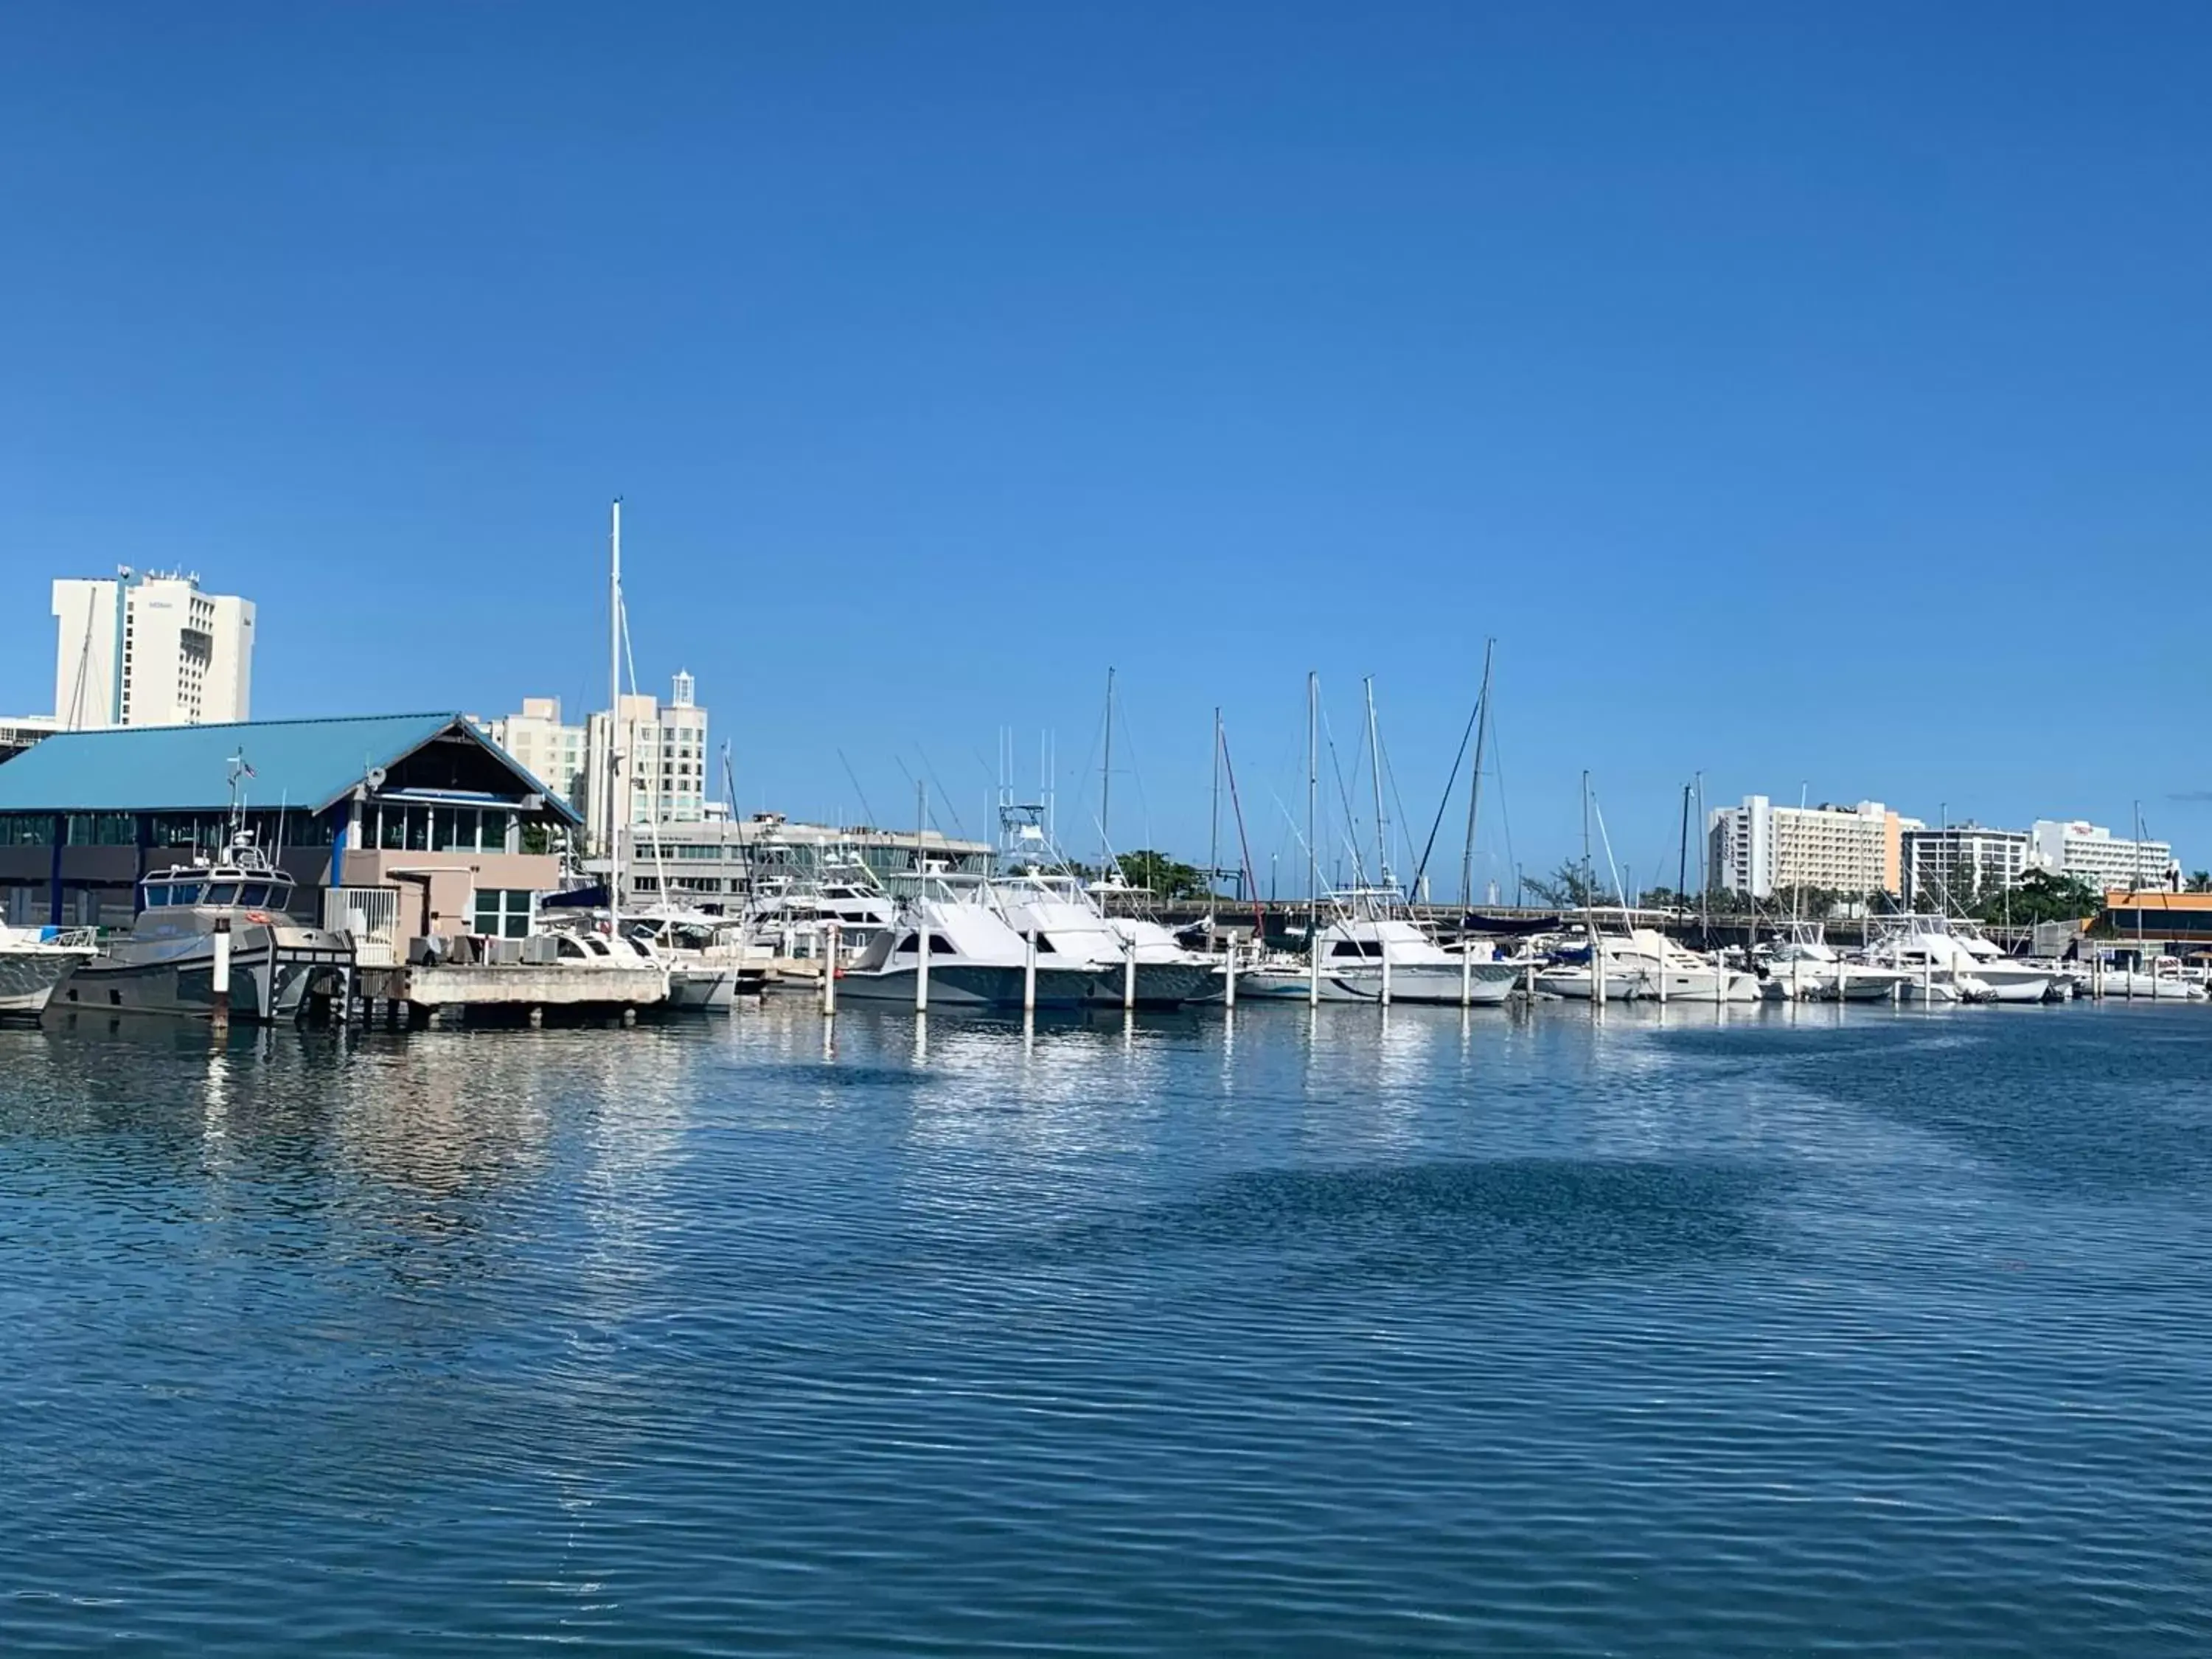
(149, 649)
(1949, 867)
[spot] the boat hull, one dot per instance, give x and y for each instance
(1159, 984)
(273, 973)
(27, 978)
(970, 984)
(699, 990)
(1642, 984)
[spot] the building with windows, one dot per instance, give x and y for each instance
(2097, 856)
(660, 762)
(548, 749)
(21, 732)
(1952, 868)
(423, 806)
(1760, 848)
(716, 866)
(149, 649)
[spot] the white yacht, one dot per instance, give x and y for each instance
(1071, 930)
(165, 964)
(1353, 949)
(1948, 961)
(712, 961)
(1632, 962)
(974, 960)
(1804, 967)
(34, 960)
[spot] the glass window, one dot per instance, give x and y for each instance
(254, 895)
(186, 893)
(455, 830)
(502, 912)
(391, 828)
(224, 892)
(26, 829)
(418, 828)
(157, 895)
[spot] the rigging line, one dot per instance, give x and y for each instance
(1606, 841)
(857, 790)
(1350, 819)
(1450, 783)
(1390, 776)
(1504, 817)
(1135, 773)
(944, 794)
(1236, 807)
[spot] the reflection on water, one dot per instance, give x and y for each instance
(1695, 1331)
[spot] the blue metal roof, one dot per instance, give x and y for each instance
(186, 768)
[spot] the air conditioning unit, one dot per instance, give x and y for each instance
(505, 953)
(540, 950)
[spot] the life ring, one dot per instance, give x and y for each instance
(259, 916)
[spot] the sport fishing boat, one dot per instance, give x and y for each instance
(1071, 929)
(1944, 962)
(972, 958)
(34, 960)
(168, 962)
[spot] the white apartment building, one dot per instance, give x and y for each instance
(551, 751)
(1760, 848)
(150, 650)
(1951, 868)
(661, 749)
(2099, 857)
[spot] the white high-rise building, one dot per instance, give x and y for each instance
(2099, 857)
(1760, 848)
(662, 748)
(150, 650)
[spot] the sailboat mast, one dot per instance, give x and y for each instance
(1213, 836)
(1374, 766)
(614, 706)
(1682, 857)
(1474, 783)
(1106, 788)
(1313, 799)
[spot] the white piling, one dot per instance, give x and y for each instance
(1466, 973)
(1228, 977)
(220, 983)
(1386, 973)
(1129, 976)
(922, 967)
(1313, 968)
(1029, 970)
(829, 977)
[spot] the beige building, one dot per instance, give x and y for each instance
(1760, 848)
(660, 762)
(551, 750)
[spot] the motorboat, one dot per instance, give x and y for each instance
(712, 961)
(1625, 963)
(1131, 958)
(972, 959)
(1804, 967)
(1361, 958)
(2163, 979)
(34, 960)
(168, 962)
(1948, 961)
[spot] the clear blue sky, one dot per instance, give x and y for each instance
(1816, 400)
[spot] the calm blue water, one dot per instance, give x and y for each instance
(1870, 1333)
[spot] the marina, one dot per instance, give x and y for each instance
(1420, 1332)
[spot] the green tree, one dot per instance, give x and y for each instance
(2040, 895)
(1160, 875)
(1567, 888)
(2200, 881)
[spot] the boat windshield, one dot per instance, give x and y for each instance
(223, 893)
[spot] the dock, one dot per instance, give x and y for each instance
(439, 994)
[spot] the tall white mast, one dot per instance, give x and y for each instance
(614, 709)
(1381, 824)
(1106, 790)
